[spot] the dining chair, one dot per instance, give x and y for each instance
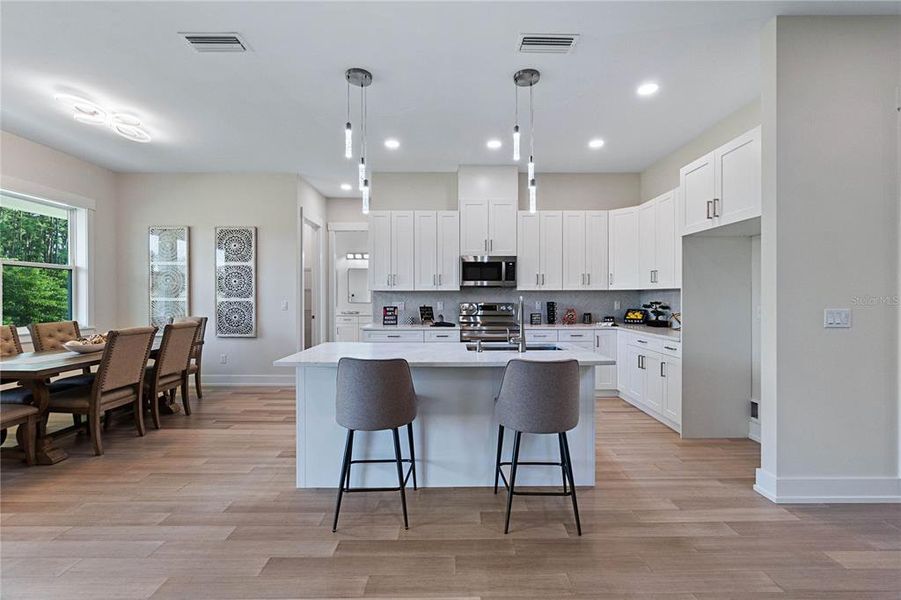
(119, 381)
(9, 341)
(170, 369)
(52, 335)
(11, 346)
(23, 415)
(195, 365)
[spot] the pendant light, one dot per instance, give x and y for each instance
(516, 123)
(363, 79)
(527, 78)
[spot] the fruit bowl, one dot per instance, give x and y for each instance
(95, 343)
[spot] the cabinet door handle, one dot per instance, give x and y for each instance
(670, 348)
(388, 279)
(709, 203)
(393, 336)
(491, 245)
(537, 279)
(609, 278)
(576, 335)
(662, 371)
(716, 211)
(642, 341)
(434, 279)
(588, 276)
(542, 279)
(442, 336)
(583, 278)
(439, 278)
(394, 279)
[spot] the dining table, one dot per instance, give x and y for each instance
(34, 370)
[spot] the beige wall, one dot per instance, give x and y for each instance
(30, 168)
(581, 191)
(345, 210)
(663, 175)
(829, 238)
(204, 201)
(409, 191)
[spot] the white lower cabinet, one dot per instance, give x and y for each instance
(349, 328)
(653, 372)
(605, 344)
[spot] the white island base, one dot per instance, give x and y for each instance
(455, 431)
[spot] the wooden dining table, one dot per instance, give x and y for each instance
(34, 370)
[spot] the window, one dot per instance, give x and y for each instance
(36, 259)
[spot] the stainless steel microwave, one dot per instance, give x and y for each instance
(487, 271)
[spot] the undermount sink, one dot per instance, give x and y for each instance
(504, 347)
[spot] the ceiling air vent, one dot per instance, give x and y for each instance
(547, 43)
(216, 42)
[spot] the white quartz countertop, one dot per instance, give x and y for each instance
(407, 327)
(434, 355)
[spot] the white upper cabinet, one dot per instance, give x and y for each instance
(647, 243)
(539, 262)
(657, 242)
(380, 250)
(488, 200)
(722, 187)
(624, 268)
(402, 249)
(391, 250)
(738, 179)
(437, 250)
(585, 250)
(574, 250)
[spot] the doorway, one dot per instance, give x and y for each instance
(311, 285)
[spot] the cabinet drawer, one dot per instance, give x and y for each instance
(392, 336)
(646, 342)
(346, 320)
(541, 335)
(671, 348)
(446, 335)
(580, 335)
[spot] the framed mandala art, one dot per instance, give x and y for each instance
(236, 281)
(169, 273)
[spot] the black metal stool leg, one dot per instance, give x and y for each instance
(513, 466)
(572, 483)
(412, 452)
(497, 463)
(562, 461)
(345, 467)
(400, 475)
(350, 460)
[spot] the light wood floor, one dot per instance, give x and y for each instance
(206, 508)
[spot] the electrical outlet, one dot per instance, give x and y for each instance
(439, 305)
(837, 318)
(538, 305)
(284, 305)
(400, 306)
(223, 359)
(617, 305)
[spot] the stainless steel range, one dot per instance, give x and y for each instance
(487, 321)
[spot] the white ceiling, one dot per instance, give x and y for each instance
(442, 80)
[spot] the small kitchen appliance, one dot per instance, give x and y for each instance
(658, 314)
(487, 271)
(635, 316)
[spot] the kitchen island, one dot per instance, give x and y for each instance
(455, 430)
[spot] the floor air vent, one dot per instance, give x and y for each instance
(216, 42)
(547, 43)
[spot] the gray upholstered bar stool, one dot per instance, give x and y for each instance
(375, 395)
(538, 397)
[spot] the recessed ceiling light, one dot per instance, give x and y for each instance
(392, 144)
(596, 143)
(494, 144)
(647, 89)
(346, 187)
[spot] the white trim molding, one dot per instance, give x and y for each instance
(837, 490)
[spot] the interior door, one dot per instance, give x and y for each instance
(596, 248)
(528, 267)
(425, 256)
(502, 226)
(379, 250)
(448, 250)
(473, 227)
(665, 241)
(624, 249)
(402, 249)
(574, 253)
(647, 244)
(738, 184)
(551, 252)
(698, 186)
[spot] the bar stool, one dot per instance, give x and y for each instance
(375, 395)
(538, 397)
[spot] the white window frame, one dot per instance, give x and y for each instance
(79, 220)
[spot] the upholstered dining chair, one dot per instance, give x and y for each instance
(170, 369)
(119, 381)
(52, 335)
(9, 341)
(23, 415)
(194, 367)
(13, 395)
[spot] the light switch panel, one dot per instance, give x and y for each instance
(401, 307)
(837, 318)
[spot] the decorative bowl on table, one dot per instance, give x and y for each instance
(94, 343)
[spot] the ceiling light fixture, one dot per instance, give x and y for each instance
(85, 111)
(392, 144)
(493, 144)
(596, 143)
(348, 129)
(362, 78)
(527, 78)
(346, 187)
(647, 89)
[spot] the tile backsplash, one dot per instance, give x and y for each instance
(598, 303)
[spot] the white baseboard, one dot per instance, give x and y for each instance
(219, 380)
(835, 490)
(754, 430)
